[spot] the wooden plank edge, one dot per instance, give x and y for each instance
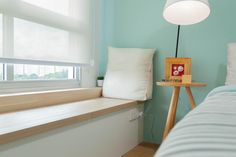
(17, 102)
(17, 135)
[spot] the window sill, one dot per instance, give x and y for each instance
(8, 87)
(23, 101)
(17, 125)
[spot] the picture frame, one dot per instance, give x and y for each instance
(175, 68)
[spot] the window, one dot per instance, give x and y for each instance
(25, 72)
(39, 30)
(44, 40)
(59, 6)
(1, 72)
(38, 41)
(1, 35)
(41, 72)
(27, 78)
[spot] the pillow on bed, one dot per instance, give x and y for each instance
(129, 74)
(231, 65)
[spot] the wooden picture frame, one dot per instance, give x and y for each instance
(175, 68)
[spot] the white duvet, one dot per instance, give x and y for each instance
(207, 131)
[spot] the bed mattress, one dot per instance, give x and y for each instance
(207, 131)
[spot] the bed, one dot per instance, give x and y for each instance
(207, 131)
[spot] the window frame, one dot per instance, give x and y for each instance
(11, 73)
(10, 86)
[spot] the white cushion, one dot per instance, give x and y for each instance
(231, 65)
(129, 74)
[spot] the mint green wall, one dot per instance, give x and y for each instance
(139, 23)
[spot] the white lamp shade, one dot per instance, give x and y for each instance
(186, 12)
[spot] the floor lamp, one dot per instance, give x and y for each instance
(185, 12)
(182, 12)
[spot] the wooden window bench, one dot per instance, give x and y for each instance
(43, 111)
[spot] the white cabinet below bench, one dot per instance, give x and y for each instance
(110, 135)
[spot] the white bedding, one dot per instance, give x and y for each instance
(207, 131)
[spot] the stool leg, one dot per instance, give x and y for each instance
(172, 111)
(190, 97)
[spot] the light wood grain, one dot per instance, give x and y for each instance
(22, 101)
(143, 150)
(180, 84)
(186, 78)
(190, 96)
(172, 111)
(174, 101)
(17, 125)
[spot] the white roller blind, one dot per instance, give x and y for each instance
(58, 31)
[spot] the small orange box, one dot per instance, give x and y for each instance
(187, 79)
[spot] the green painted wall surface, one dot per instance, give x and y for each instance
(139, 23)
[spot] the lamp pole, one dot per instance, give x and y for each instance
(177, 42)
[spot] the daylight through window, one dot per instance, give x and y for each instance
(44, 41)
